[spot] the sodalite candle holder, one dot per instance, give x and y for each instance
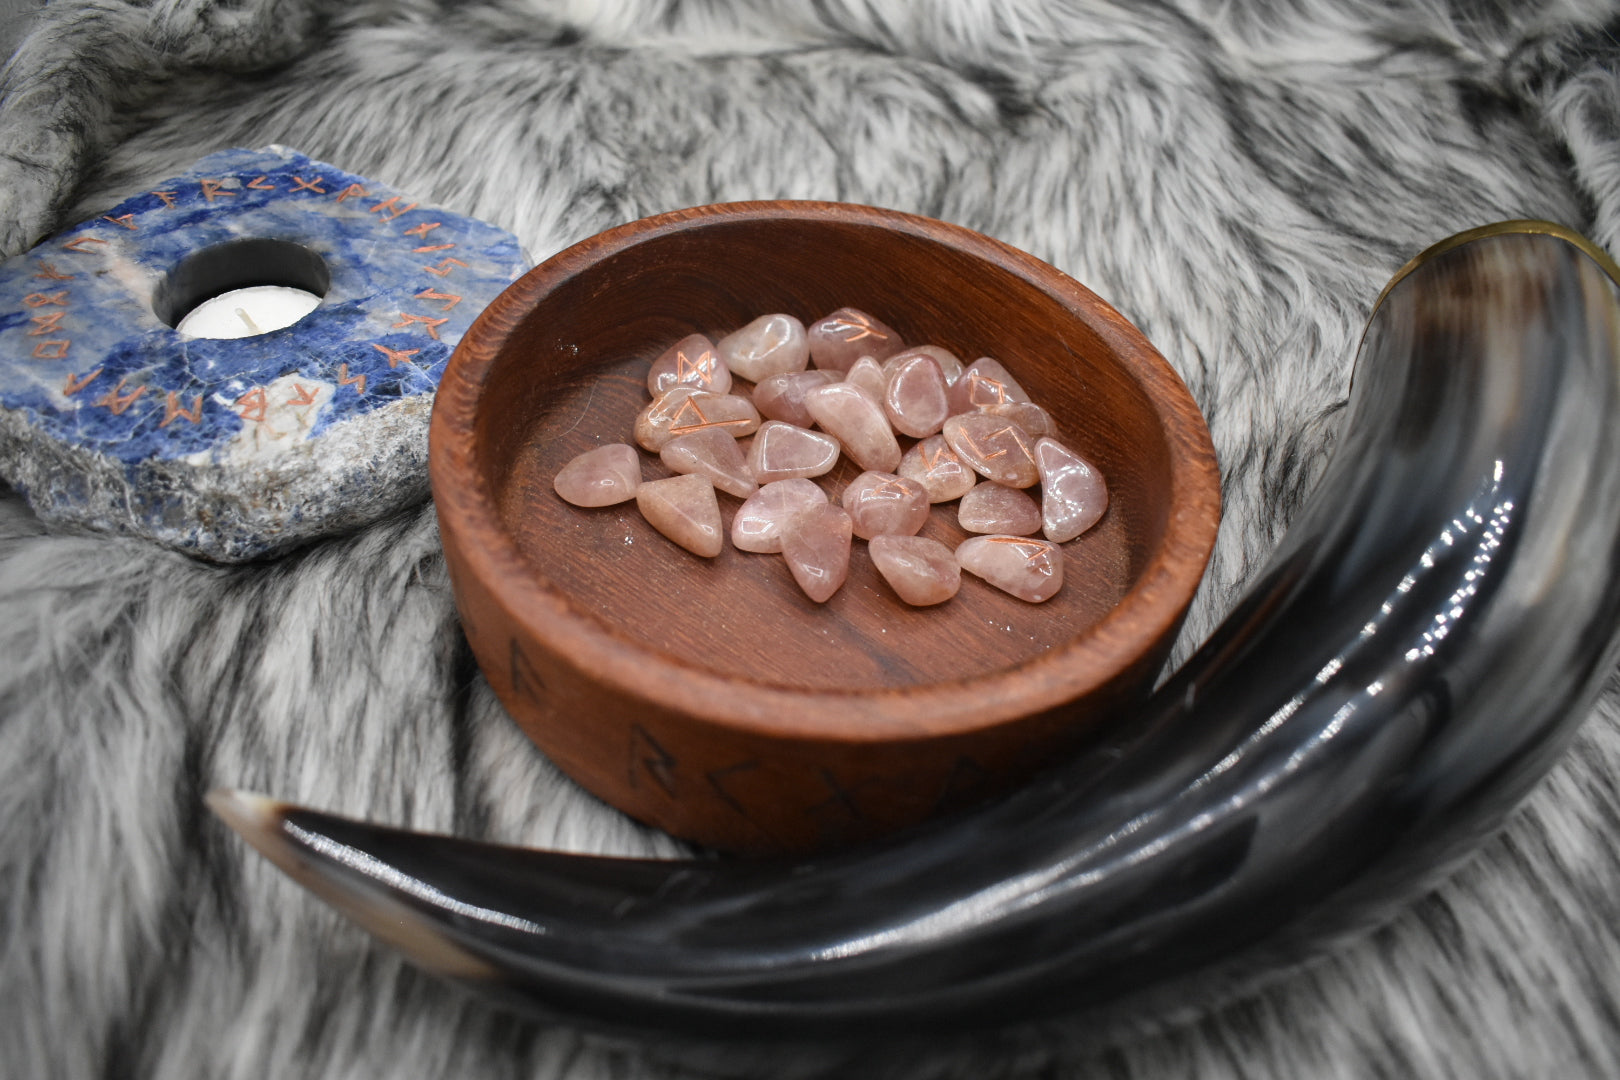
(233, 449)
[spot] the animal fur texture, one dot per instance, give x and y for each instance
(1240, 178)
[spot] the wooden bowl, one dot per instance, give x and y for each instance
(710, 697)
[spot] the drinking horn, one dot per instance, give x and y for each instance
(1434, 626)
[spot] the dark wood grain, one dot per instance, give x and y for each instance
(721, 661)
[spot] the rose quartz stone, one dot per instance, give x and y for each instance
(760, 520)
(850, 415)
(781, 397)
(1073, 494)
(845, 336)
(685, 409)
(770, 345)
(1022, 566)
(915, 397)
(934, 465)
(994, 448)
(601, 477)
(782, 451)
(684, 509)
(882, 504)
(816, 546)
(868, 375)
(994, 508)
(921, 570)
(984, 382)
(711, 452)
(949, 365)
(1035, 420)
(691, 361)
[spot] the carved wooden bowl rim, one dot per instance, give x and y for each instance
(1103, 652)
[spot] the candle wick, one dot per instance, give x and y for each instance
(250, 325)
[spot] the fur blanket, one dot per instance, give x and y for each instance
(1240, 178)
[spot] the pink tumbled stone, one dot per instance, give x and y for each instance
(868, 375)
(854, 419)
(1073, 493)
(684, 509)
(920, 570)
(760, 520)
(781, 397)
(994, 508)
(770, 345)
(934, 465)
(882, 504)
(949, 365)
(816, 546)
(783, 451)
(711, 452)
(686, 409)
(915, 397)
(984, 382)
(691, 361)
(1021, 566)
(601, 477)
(840, 339)
(994, 448)
(1034, 420)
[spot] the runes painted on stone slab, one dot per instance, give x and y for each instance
(113, 420)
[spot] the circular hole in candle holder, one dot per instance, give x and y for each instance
(242, 288)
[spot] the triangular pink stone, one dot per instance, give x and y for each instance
(782, 451)
(816, 546)
(713, 453)
(691, 361)
(920, 570)
(684, 509)
(761, 520)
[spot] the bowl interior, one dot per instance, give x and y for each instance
(570, 375)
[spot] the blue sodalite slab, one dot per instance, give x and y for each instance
(233, 449)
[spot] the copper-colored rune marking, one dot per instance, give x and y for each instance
(258, 184)
(357, 381)
(395, 356)
(352, 191)
(173, 410)
(125, 220)
(50, 273)
(435, 247)
(118, 401)
(939, 452)
(444, 266)
(451, 299)
(300, 184)
(304, 396)
(52, 350)
(256, 404)
(47, 323)
(1018, 437)
(422, 229)
(996, 386)
(676, 428)
(702, 367)
(982, 455)
(166, 196)
(213, 188)
(78, 242)
(430, 325)
(1029, 549)
(862, 328)
(889, 489)
(75, 383)
(39, 299)
(391, 204)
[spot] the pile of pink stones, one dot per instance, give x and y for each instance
(865, 389)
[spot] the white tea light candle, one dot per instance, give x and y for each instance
(257, 309)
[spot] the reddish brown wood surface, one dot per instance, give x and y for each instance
(710, 697)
